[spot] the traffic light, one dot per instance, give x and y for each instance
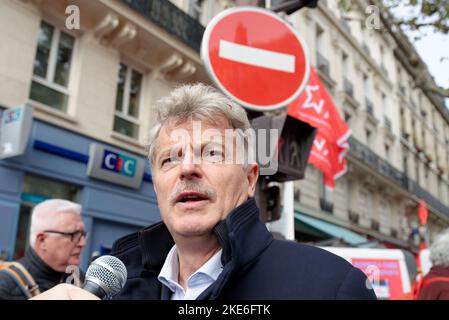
(290, 6)
(295, 139)
(268, 198)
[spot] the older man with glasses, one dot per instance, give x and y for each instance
(57, 237)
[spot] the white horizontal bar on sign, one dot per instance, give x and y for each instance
(257, 57)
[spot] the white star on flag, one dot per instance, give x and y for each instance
(310, 103)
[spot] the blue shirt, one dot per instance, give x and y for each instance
(199, 281)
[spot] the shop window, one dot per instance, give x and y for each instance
(35, 190)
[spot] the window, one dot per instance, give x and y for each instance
(405, 162)
(345, 65)
(127, 102)
(36, 189)
(366, 87)
(369, 139)
(347, 116)
(52, 67)
(417, 171)
(319, 40)
(387, 153)
(385, 104)
(195, 8)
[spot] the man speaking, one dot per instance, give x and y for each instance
(210, 243)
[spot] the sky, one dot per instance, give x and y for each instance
(432, 47)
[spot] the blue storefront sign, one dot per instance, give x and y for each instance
(115, 166)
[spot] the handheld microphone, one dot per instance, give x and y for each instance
(105, 277)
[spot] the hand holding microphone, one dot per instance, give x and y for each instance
(105, 278)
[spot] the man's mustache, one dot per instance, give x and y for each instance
(193, 186)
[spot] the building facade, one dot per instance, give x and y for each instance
(400, 134)
(399, 148)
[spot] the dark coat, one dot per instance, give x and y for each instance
(43, 275)
(436, 290)
(255, 266)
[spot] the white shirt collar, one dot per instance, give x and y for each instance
(198, 281)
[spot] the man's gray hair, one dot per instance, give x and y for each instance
(196, 101)
(439, 250)
(45, 215)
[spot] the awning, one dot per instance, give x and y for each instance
(320, 227)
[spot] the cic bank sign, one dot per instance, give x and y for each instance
(115, 166)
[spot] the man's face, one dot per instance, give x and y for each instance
(59, 250)
(195, 188)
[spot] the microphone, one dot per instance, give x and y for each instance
(105, 277)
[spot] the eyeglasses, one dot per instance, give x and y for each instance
(75, 236)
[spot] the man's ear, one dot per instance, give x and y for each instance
(252, 174)
(40, 241)
(155, 189)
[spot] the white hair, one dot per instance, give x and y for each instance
(198, 101)
(439, 250)
(45, 215)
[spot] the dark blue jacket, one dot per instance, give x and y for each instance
(255, 266)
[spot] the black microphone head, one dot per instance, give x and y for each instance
(106, 276)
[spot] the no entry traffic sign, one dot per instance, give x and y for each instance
(255, 57)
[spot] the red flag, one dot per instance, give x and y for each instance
(331, 145)
(422, 212)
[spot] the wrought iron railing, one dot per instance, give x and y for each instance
(364, 154)
(172, 19)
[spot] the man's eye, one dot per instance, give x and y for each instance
(213, 155)
(168, 160)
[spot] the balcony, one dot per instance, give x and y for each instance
(169, 17)
(323, 64)
(326, 205)
(348, 87)
(436, 204)
(387, 123)
(362, 153)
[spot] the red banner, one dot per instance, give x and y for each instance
(423, 214)
(331, 145)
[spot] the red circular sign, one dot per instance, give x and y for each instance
(255, 57)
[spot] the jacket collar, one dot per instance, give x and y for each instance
(439, 271)
(241, 235)
(40, 269)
